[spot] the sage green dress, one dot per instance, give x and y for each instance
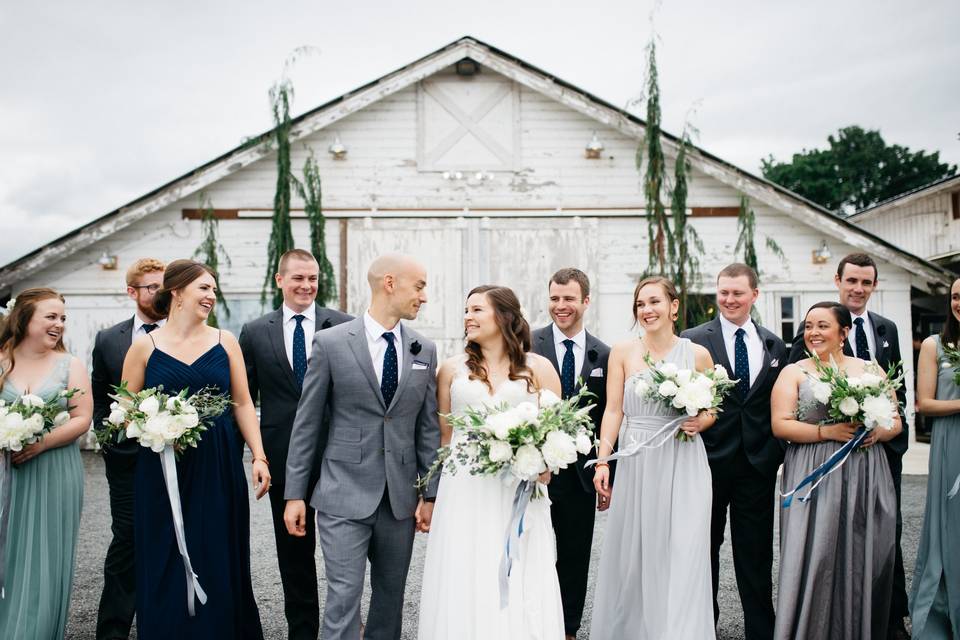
(935, 605)
(46, 494)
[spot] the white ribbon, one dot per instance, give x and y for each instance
(664, 434)
(169, 467)
(955, 489)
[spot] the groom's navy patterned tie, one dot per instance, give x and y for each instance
(863, 347)
(567, 373)
(388, 382)
(299, 351)
(741, 365)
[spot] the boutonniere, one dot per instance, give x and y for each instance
(415, 347)
(592, 355)
(326, 324)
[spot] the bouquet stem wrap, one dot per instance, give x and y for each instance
(832, 463)
(658, 439)
(169, 466)
(6, 479)
(511, 541)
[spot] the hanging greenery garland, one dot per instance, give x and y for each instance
(689, 247)
(310, 191)
(746, 231)
(212, 253)
(281, 234)
(661, 241)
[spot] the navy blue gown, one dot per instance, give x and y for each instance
(216, 516)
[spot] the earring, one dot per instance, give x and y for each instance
(179, 304)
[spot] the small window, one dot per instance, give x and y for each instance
(788, 318)
(955, 204)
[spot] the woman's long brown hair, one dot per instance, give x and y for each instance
(13, 326)
(515, 332)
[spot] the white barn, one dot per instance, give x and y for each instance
(480, 169)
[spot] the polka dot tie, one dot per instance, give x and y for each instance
(741, 365)
(567, 373)
(388, 382)
(299, 351)
(863, 347)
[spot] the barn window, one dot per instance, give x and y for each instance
(955, 204)
(788, 318)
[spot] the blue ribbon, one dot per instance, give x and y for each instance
(511, 541)
(832, 463)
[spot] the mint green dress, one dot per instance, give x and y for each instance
(46, 494)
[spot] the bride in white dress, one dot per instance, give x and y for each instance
(460, 597)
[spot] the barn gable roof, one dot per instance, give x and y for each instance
(937, 186)
(519, 71)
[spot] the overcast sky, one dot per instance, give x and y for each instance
(102, 101)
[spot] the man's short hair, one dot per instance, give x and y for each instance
(563, 276)
(294, 254)
(142, 267)
(858, 260)
(738, 269)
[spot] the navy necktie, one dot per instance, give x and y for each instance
(299, 351)
(148, 327)
(567, 374)
(863, 347)
(741, 365)
(388, 381)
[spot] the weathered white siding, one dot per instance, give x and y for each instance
(924, 227)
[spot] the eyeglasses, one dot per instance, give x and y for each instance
(151, 288)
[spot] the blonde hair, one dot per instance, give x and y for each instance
(142, 267)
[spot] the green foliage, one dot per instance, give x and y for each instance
(281, 234)
(662, 249)
(310, 191)
(688, 245)
(212, 253)
(857, 170)
(746, 231)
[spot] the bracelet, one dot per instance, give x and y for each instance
(262, 459)
(819, 435)
(601, 464)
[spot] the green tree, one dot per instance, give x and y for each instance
(857, 170)
(211, 253)
(281, 234)
(660, 238)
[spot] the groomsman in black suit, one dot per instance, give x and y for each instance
(275, 350)
(742, 452)
(576, 355)
(118, 600)
(874, 338)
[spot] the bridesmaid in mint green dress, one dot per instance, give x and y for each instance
(46, 489)
(935, 604)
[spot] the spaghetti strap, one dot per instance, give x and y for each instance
(152, 340)
(219, 335)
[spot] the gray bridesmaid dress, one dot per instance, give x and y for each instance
(935, 601)
(837, 549)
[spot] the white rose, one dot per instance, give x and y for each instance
(500, 451)
(61, 418)
(684, 376)
(548, 398)
(668, 369)
(871, 380)
(668, 389)
(528, 463)
(946, 365)
(14, 421)
(172, 403)
(150, 406)
(878, 411)
(153, 440)
(188, 420)
(117, 416)
(721, 372)
(641, 388)
(30, 400)
(849, 406)
(821, 391)
(584, 443)
(134, 430)
(499, 424)
(34, 423)
(527, 412)
(855, 382)
(559, 450)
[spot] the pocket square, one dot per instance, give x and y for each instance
(419, 366)
(597, 373)
(774, 363)
(885, 344)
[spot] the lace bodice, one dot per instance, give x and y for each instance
(466, 393)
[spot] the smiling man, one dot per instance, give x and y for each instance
(276, 356)
(742, 452)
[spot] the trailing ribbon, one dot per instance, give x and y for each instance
(6, 479)
(664, 433)
(169, 467)
(832, 463)
(952, 493)
(511, 541)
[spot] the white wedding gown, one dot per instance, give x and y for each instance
(460, 598)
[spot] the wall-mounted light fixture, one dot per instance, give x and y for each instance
(337, 150)
(822, 254)
(107, 262)
(594, 148)
(467, 67)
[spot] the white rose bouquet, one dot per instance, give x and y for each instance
(866, 399)
(686, 390)
(29, 417)
(156, 419)
(951, 360)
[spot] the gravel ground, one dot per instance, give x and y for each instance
(95, 536)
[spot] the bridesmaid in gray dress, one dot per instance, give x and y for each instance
(837, 549)
(935, 603)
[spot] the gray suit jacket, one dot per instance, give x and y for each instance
(369, 447)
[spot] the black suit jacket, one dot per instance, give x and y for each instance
(271, 378)
(109, 350)
(745, 421)
(887, 342)
(596, 357)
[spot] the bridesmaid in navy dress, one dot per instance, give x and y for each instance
(186, 353)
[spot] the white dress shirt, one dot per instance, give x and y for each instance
(579, 349)
(378, 345)
(138, 323)
(867, 329)
(309, 322)
(751, 339)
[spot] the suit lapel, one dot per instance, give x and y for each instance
(546, 348)
(406, 367)
(717, 347)
(764, 368)
(126, 335)
(879, 337)
(358, 344)
(275, 333)
(588, 344)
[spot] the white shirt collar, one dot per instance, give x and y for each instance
(580, 339)
(310, 313)
(866, 318)
(730, 329)
(375, 330)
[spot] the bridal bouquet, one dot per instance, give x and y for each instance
(686, 390)
(524, 440)
(26, 419)
(951, 360)
(156, 419)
